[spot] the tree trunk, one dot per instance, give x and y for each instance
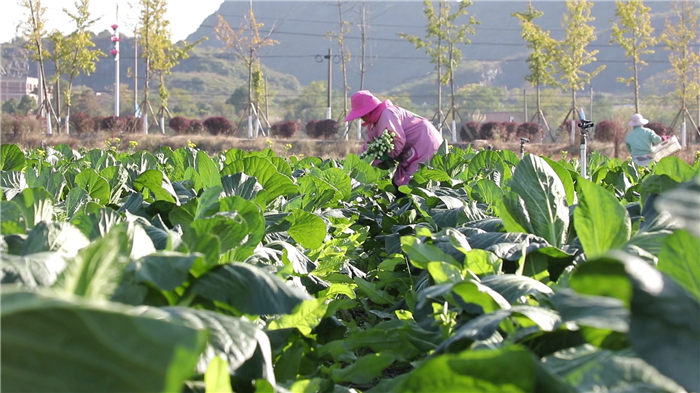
(538, 99)
(163, 103)
(362, 46)
(538, 105)
(573, 117)
(540, 113)
(47, 97)
(250, 94)
(68, 104)
(42, 70)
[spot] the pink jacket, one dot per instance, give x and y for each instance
(415, 139)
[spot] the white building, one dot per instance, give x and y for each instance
(16, 87)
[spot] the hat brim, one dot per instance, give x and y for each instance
(638, 123)
(358, 113)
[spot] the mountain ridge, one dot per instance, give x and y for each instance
(497, 42)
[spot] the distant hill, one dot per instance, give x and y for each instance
(208, 74)
(496, 55)
(301, 28)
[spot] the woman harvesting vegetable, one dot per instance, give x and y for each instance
(414, 139)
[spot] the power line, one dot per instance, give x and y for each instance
(231, 56)
(348, 36)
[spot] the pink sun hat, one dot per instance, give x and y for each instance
(362, 102)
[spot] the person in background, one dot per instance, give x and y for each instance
(640, 140)
(415, 139)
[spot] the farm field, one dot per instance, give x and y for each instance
(177, 270)
(300, 146)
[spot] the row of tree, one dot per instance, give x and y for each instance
(75, 54)
(24, 106)
(565, 63)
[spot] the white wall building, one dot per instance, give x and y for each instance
(16, 87)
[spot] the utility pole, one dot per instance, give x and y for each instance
(115, 53)
(363, 27)
(331, 59)
(590, 113)
(362, 45)
(250, 78)
(330, 80)
(136, 74)
(439, 72)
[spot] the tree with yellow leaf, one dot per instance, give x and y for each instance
(540, 60)
(74, 54)
(34, 31)
(635, 35)
(160, 55)
(680, 36)
(443, 35)
(245, 43)
(571, 55)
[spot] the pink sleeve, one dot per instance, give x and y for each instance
(369, 137)
(390, 121)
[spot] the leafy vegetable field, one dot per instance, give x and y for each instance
(177, 271)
